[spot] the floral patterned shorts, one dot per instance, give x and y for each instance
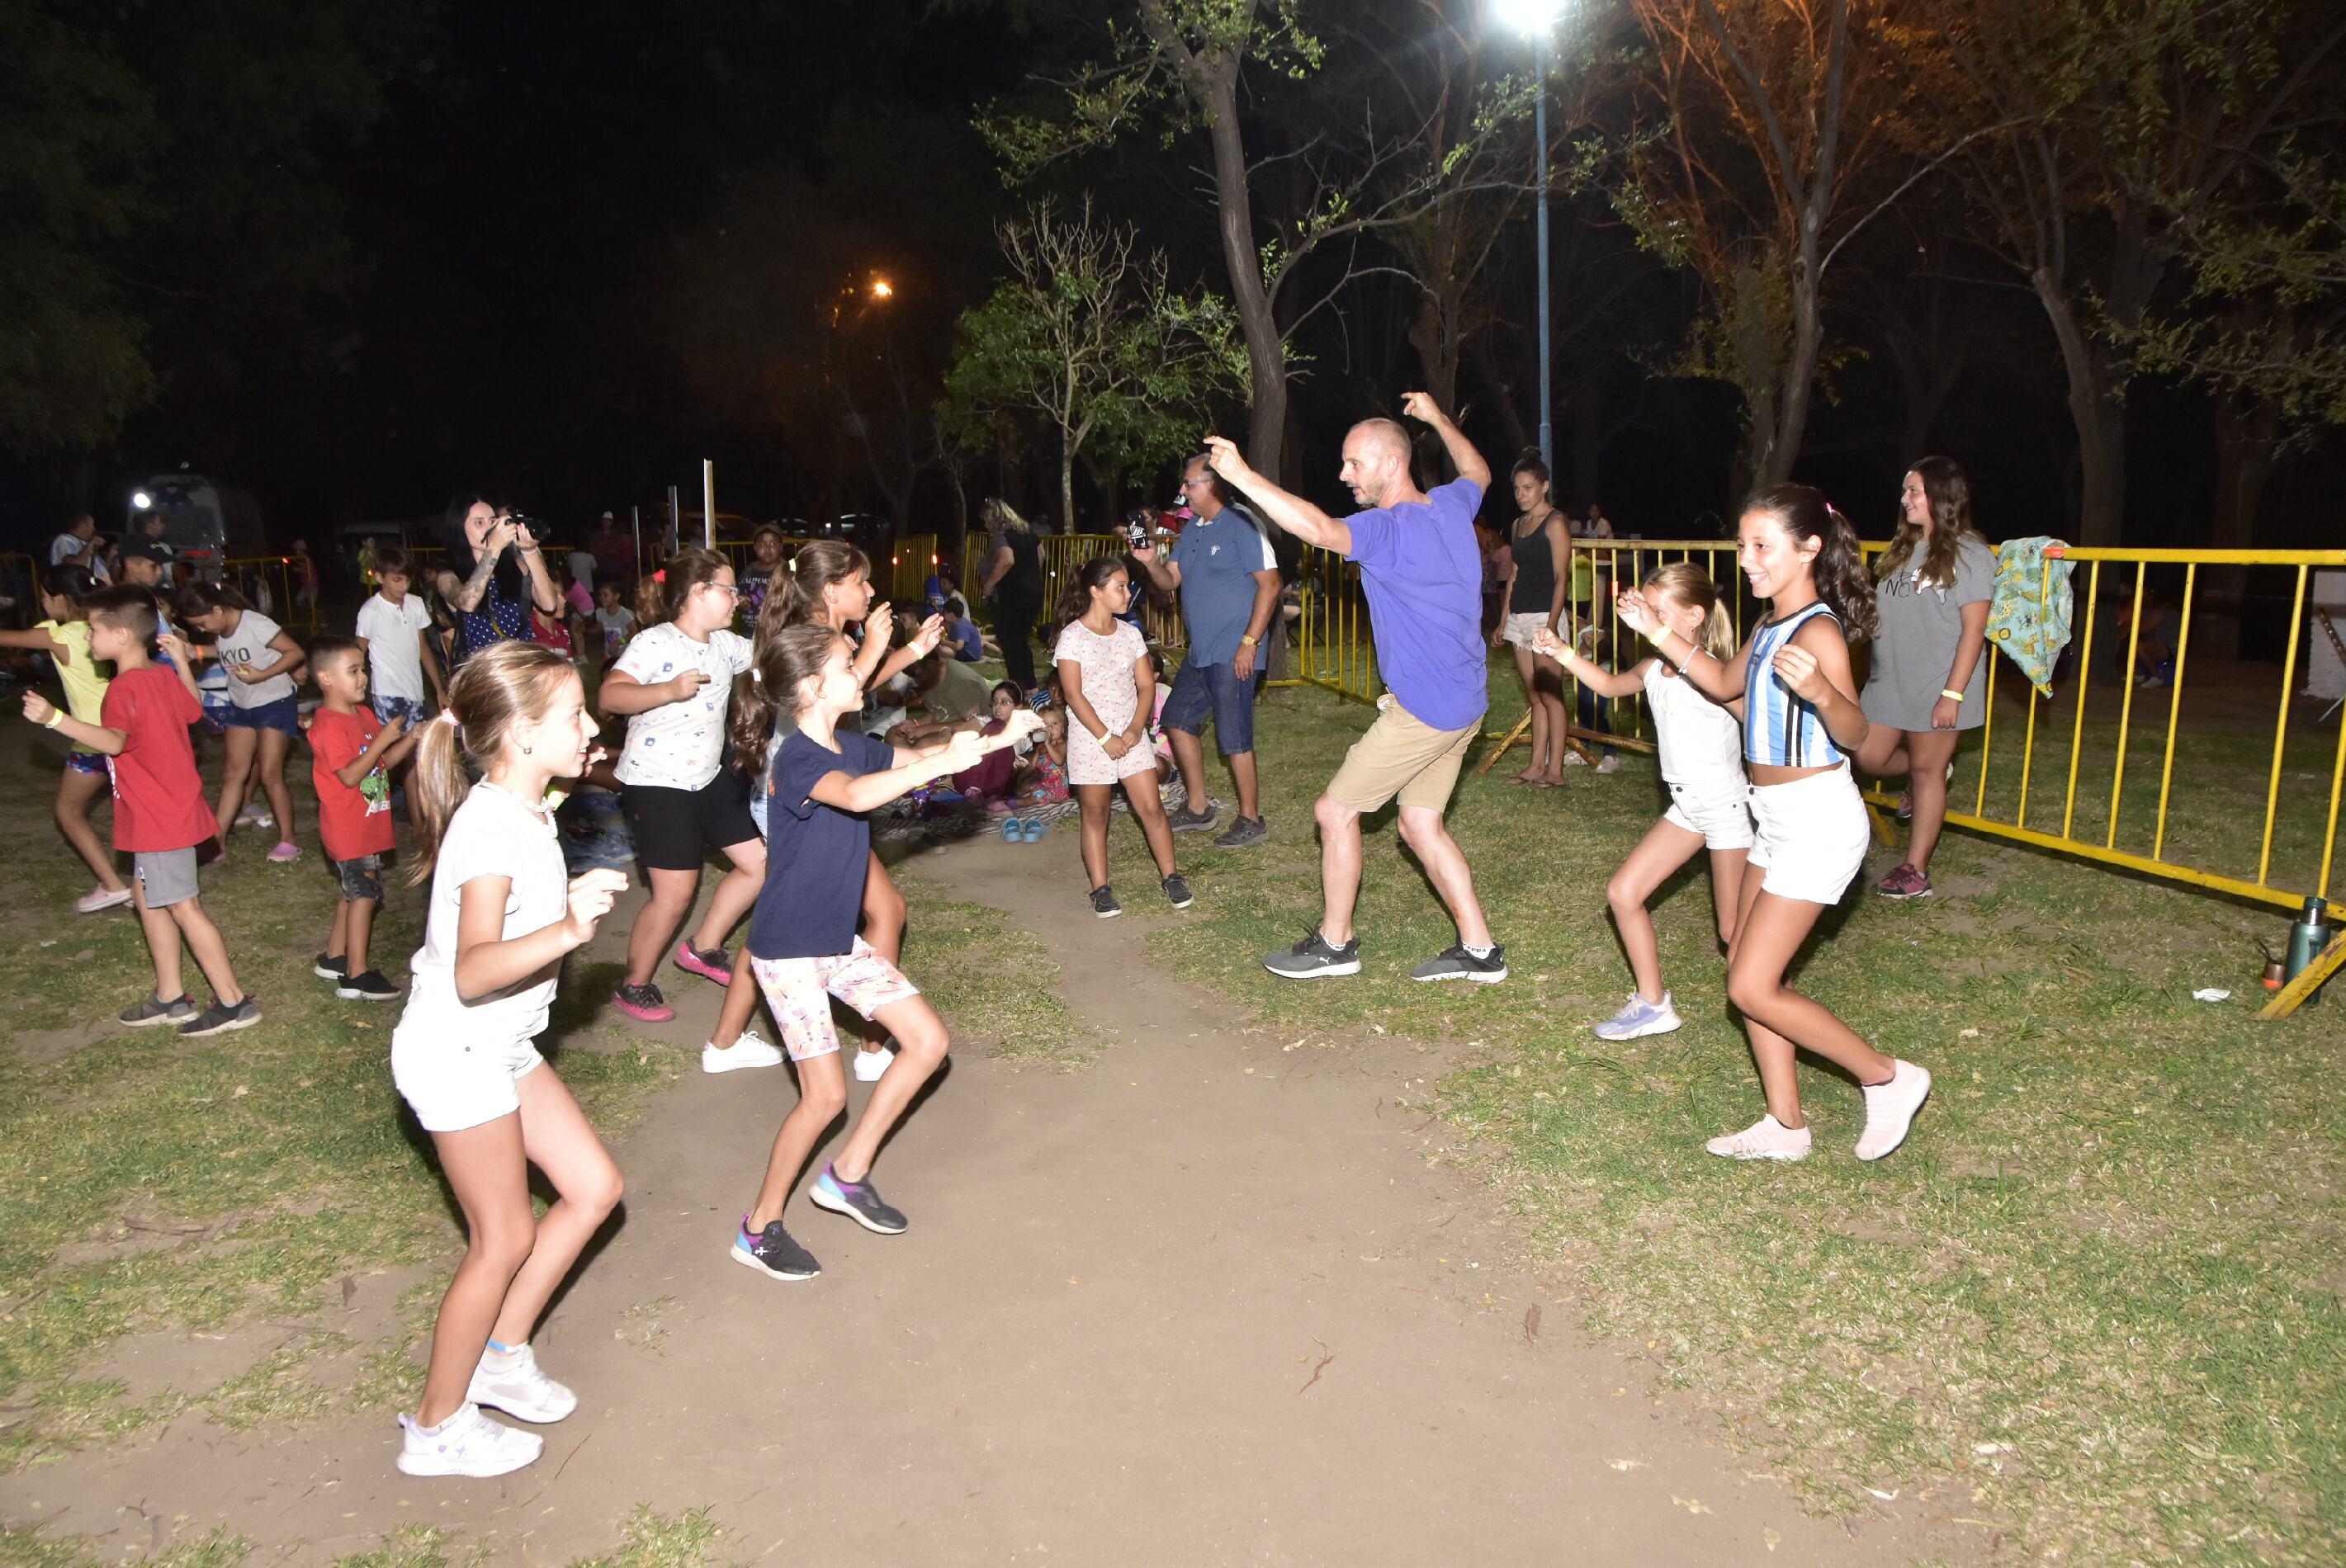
(799, 990)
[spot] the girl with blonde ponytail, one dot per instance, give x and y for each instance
(1701, 756)
(502, 915)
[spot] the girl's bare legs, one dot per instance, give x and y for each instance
(1527, 671)
(920, 1043)
(1091, 801)
(672, 893)
(1928, 783)
(740, 1002)
(1665, 848)
(1767, 934)
(274, 744)
(884, 932)
(236, 777)
(1727, 868)
(76, 791)
(1548, 693)
(823, 1095)
(1149, 809)
(559, 1140)
(737, 890)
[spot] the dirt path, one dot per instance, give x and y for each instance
(1205, 1302)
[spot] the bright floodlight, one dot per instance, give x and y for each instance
(141, 500)
(880, 288)
(1527, 15)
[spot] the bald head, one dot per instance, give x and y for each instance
(1376, 462)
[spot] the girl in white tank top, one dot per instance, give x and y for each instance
(1701, 756)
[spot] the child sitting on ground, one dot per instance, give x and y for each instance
(993, 779)
(160, 812)
(1042, 779)
(352, 752)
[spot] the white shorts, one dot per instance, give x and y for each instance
(1811, 836)
(1520, 629)
(452, 1085)
(1718, 809)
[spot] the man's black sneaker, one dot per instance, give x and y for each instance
(1176, 889)
(327, 967)
(1457, 964)
(368, 987)
(219, 1018)
(1314, 957)
(1184, 820)
(773, 1252)
(1104, 902)
(155, 1010)
(1245, 831)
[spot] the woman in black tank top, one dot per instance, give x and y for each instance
(1535, 602)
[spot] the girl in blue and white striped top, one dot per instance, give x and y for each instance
(1802, 724)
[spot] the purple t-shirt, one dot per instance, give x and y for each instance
(1423, 574)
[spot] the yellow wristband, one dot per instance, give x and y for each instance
(1658, 636)
(56, 717)
(1951, 695)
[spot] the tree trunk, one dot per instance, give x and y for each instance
(1435, 335)
(1212, 82)
(1503, 393)
(2100, 418)
(1067, 486)
(2248, 438)
(1784, 448)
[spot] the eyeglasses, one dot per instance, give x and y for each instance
(732, 588)
(1194, 483)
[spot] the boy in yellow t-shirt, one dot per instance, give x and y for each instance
(65, 638)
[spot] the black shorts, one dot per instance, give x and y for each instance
(675, 829)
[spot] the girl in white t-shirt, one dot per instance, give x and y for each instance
(261, 659)
(1109, 686)
(502, 913)
(1701, 746)
(673, 684)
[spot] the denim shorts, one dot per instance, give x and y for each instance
(361, 877)
(1216, 687)
(283, 715)
(387, 709)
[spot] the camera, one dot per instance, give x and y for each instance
(1137, 524)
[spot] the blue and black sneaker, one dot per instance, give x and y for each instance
(772, 1251)
(858, 1200)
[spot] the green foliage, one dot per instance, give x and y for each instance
(1087, 336)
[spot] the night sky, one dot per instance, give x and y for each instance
(593, 243)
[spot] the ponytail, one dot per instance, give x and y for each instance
(820, 564)
(658, 595)
(1839, 572)
(783, 658)
(1076, 602)
(493, 688)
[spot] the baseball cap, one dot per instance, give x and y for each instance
(153, 550)
(606, 518)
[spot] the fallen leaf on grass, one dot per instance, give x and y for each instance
(1691, 1504)
(1626, 1463)
(1772, 1536)
(1884, 1496)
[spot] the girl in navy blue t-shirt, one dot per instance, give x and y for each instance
(802, 945)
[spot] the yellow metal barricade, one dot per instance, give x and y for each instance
(1334, 648)
(2221, 817)
(269, 583)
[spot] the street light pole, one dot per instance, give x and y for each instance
(1540, 41)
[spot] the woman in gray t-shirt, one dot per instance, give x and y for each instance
(1930, 667)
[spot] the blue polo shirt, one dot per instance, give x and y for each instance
(1422, 575)
(1218, 559)
(816, 855)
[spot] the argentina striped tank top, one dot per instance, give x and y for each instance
(1780, 729)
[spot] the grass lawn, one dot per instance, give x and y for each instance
(2093, 1305)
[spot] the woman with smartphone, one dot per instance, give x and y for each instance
(495, 574)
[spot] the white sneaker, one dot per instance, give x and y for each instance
(1890, 1110)
(1765, 1139)
(1574, 759)
(871, 1066)
(748, 1051)
(99, 899)
(1640, 1017)
(1608, 765)
(467, 1443)
(521, 1389)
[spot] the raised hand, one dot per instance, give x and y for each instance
(501, 534)
(1635, 614)
(173, 647)
(1023, 723)
(591, 895)
(881, 623)
(926, 637)
(1420, 405)
(1797, 667)
(1222, 457)
(38, 708)
(1548, 644)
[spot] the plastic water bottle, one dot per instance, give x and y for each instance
(2307, 939)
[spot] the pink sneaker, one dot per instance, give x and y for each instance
(1765, 1139)
(1890, 1110)
(286, 850)
(643, 1004)
(709, 963)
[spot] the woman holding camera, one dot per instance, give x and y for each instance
(495, 574)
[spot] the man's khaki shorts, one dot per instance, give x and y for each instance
(1401, 756)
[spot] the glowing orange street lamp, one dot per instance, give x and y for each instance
(881, 288)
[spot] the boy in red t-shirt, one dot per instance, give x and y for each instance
(351, 753)
(160, 813)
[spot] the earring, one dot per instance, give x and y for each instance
(527, 751)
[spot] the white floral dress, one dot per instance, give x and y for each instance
(1106, 663)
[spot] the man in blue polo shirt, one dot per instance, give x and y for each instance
(1228, 582)
(1422, 575)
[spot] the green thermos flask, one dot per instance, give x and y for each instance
(2307, 938)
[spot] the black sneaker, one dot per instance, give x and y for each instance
(219, 1018)
(1457, 964)
(1176, 889)
(858, 1200)
(327, 967)
(1314, 957)
(773, 1253)
(155, 1010)
(1184, 820)
(1104, 902)
(368, 987)
(1241, 834)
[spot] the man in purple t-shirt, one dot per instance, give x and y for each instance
(1423, 574)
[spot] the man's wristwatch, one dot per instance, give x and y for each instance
(1248, 640)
